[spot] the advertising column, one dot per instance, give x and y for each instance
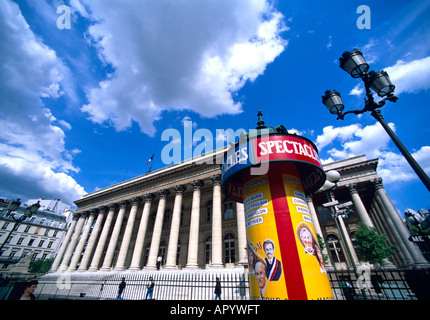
(284, 256)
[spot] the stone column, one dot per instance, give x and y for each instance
(82, 241)
(193, 242)
(107, 263)
(347, 240)
(216, 223)
(241, 234)
(347, 243)
(102, 241)
(156, 234)
(72, 245)
(317, 226)
(399, 225)
(392, 231)
(120, 264)
(174, 228)
(65, 244)
(140, 240)
(92, 241)
(359, 206)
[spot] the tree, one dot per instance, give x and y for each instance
(371, 246)
(40, 266)
(322, 247)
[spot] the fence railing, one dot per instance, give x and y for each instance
(389, 284)
(168, 286)
(200, 285)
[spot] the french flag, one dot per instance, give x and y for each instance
(150, 159)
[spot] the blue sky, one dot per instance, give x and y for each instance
(84, 107)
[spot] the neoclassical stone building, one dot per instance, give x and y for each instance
(180, 214)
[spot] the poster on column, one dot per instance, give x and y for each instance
(265, 266)
(314, 273)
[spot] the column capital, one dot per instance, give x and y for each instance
(179, 189)
(216, 179)
(135, 201)
(352, 187)
(123, 203)
(94, 212)
(103, 209)
(76, 215)
(378, 183)
(148, 197)
(163, 193)
(113, 206)
(197, 184)
(84, 214)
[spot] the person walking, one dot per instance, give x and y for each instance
(150, 289)
(121, 288)
(29, 290)
(217, 289)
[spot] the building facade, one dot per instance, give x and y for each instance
(180, 216)
(37, 237)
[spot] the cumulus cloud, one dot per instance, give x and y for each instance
(372, 140)
(410, 76)
(177, 55)
(33, 158)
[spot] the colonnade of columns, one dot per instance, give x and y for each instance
(382, 215)
(87, 241)
(83, 248)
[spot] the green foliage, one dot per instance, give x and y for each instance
(371, 246)
(322, 247)
(40, 266)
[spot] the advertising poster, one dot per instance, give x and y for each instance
(285, 260)
(314, 273)
(264, 255)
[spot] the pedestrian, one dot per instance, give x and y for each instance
(29, 290)
(150, 289)
(217, 289)
(159, 259)
(121, 288)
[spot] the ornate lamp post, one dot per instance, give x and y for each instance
(354, 63)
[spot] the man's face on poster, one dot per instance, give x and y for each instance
(269, 250)
(260, 274)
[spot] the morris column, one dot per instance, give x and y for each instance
(271, 172)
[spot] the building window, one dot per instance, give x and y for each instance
(335, 249)
(229, 249)
(228, 209)
(30, 243)
(166, 219)
(41, 243)
(50, 244)
(27, 228)
(20, 240)
(208, 250)
(209, 211)
(4, 227)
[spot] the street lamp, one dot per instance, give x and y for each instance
(354, 63)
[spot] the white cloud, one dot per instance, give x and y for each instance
(358, 90)
(176, 55)
(410, 76)
(33, 158)
(372, 141)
